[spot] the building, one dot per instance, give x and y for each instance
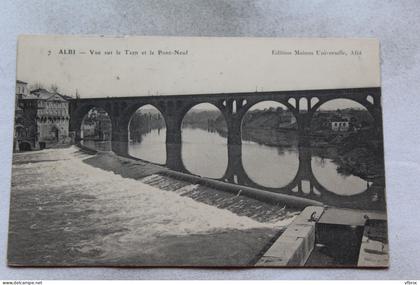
(96, 125)
(42, 119)
(88, 130)
(21, 91)
(340, 125)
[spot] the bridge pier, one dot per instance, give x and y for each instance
(305, 168)
(234, 135)
(235, 172)
(78, 135)
(233, 117)
(304, 127)
(119, 143)
(119, 137)
(174, 142)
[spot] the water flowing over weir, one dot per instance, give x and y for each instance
(237, 204)
(103, 218)
(305, 172)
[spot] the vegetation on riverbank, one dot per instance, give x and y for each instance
(143, 122)
(361, 154)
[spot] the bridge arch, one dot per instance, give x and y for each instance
(147, 134)
(264, 105)
(342, 104)
(348, 127)
(79, 114)
(364, 101)
(269, 133)
(289, 103)
(303, 104)
(204, 140)
(129, 110)
(211, 104)
(95, 129)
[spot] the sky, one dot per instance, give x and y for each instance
(145, 66)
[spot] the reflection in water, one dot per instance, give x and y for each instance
(325, 170)
(151, 148)
(204, 153)
(269, 166)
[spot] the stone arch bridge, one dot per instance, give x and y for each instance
(233, 106)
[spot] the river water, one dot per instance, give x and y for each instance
(67, 212)
(205, 153)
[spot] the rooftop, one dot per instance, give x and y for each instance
(44, 94)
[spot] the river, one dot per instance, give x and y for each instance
(65, 211)
(272, 168)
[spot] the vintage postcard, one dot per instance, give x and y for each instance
(207, 152)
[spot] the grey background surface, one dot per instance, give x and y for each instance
(395, 23)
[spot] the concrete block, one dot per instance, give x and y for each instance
(373, 253)
(295, 245)
(349, 217)
(305, 217)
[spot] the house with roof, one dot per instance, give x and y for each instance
(342, 125)
(43, 120)
(21, 91)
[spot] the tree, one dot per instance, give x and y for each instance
(36, 85)
(54, 88)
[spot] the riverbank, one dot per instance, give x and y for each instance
(272, 137)
(66, 211)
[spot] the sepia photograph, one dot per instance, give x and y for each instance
(198, 152)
